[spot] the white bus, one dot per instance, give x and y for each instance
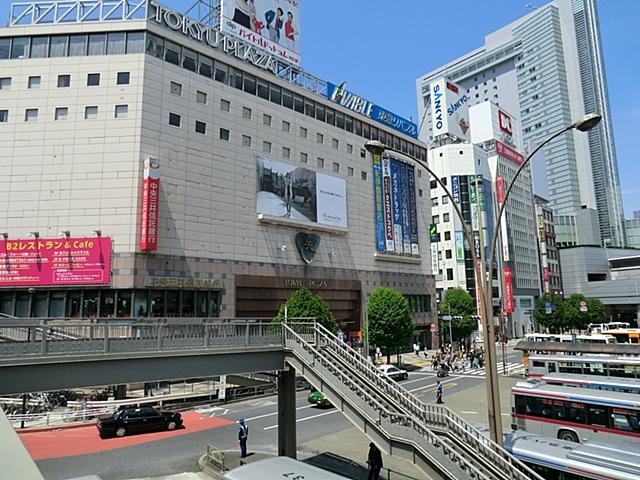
(605, 327)
(595, 382)
(602, 365)
(567, 338)
(559, 460)
(576, 415)
(277, 468)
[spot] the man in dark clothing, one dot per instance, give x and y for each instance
(243, 434)
(374, 461)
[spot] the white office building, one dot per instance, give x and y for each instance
(547, 68)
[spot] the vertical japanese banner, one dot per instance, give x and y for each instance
(503, 221)
(404, 199)
(413, 212)
(508, 290)
(478, 299)
(378, 202)
(455, 188)
(397, 206)
(150, 202)
(459, 239)
(388, 207)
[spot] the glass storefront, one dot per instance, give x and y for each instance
(109, 303)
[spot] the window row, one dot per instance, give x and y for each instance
(198, 63)
(112, 43)
(62, 113)
(64, 80)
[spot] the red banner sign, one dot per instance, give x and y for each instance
(510, 153)
(150, 202)
(508, 290)
(504, 121)
(500, 189)
(55, 261)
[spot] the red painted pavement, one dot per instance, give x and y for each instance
(80, 441)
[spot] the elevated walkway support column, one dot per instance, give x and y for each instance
(287, 440)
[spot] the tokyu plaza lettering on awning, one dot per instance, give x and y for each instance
(212, 37)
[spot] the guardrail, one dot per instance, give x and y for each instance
(215, 456)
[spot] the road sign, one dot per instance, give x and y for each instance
(447, 318)
(548, 307)
(583, 306)
(433, 327)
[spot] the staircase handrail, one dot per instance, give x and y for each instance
(453, 422)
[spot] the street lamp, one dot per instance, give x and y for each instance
(483, 287)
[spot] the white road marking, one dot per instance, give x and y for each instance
(433, 384)
(274, 413)
(305, 419)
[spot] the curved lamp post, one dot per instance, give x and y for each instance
(483, 281)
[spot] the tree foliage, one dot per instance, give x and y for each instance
(553, 321)
(566, 314)
(458, 303)
(390, 326)
(304, 303)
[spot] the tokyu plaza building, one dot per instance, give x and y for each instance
(213, 174)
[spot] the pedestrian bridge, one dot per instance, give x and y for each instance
(47, 355)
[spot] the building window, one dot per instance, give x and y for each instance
(303, 132)
(319, 138)
(62, 113)
(336, 167)
(246, 141)
(320, 162)
(224, 134)
(363, 175)
(175, 88)
(420, 192)
(435, 219)
(123, 78)
(64, 81)
(445, 199)
(31, 115)
(363, 153)
(448, 254)
(445, 217)
(286, 152)
(34, 82)
(266, 119)
(286, 126)
(335, 143)
(433, 184)
(174, 119)
(90, 113)
(434, 202)
(93, 79)
(350, 171)
(201, 127)
(201, 97)
(304, 158)
(449, 274)
(225, 105)
(349, 148)
(122, 111)
(246, 112)
(447, 235)
(266, 147)
(4, 116)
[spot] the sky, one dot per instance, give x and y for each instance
(380, 48)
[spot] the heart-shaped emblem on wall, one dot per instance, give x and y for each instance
(307, 244)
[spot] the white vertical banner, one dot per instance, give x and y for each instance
(222, 388)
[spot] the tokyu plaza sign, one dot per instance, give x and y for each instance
(212, 37)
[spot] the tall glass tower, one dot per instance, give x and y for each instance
(548, 67)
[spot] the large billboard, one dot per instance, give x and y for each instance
(449, 109)
(395, 207)
(294, 192)
(271, 25)
(55, 261)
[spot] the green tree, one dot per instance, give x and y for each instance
(595, 310)
(573, 317)
(303, 303)
(458, 303)
(554, 321)
(390, 326)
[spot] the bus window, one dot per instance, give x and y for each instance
(521, 404)
(595, 369)
(551, 367)
(575, 413)
(569, 367)
(598, 416)
(625, 420)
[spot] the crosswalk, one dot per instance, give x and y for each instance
(511, 368)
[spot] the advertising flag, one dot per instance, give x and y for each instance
(404, 199)
(397, 206)
(455, 188)
(473, 198)
(459, 240)
(508, 290)
(433, 233)
(150, 204)
(388, 207)
(413, 210)
(378, 198)
(503, 221)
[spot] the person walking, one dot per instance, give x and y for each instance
(439, 390)
(288, 193)
(243, 434)
(374, 461)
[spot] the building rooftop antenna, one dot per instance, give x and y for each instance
(207, 12)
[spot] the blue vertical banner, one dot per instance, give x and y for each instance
(404, 199)
(413, 210)
(396, 205)
(387, 204)
(455, 188)
(378, 198)
(487, 218)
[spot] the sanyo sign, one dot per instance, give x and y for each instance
(449, 109)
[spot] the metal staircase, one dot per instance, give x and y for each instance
(434, 438)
